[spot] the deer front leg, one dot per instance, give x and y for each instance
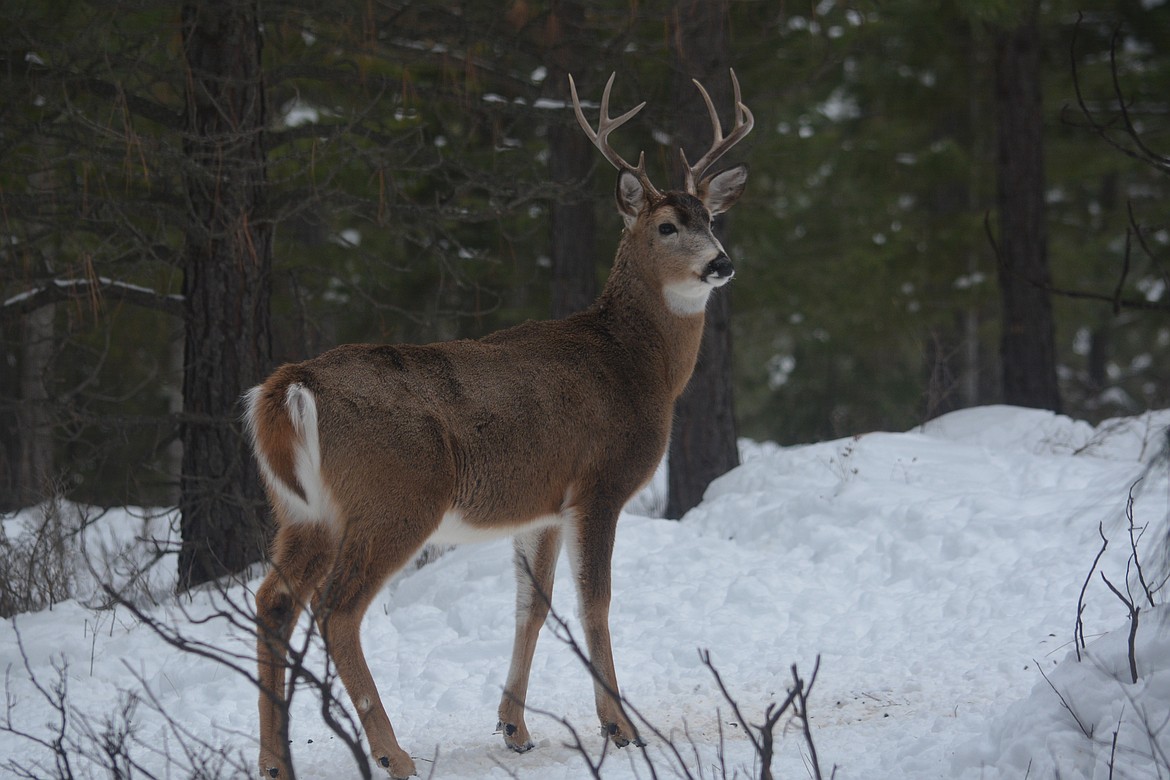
(594, 549)
(535, 558)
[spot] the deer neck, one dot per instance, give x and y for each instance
(660, 340)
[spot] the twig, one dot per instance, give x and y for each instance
(1079, 629)
(802, 698)
(1133, 542)
(1158, 160)
(1113, 744)
(1134, 612)
(1118, 303)
(56, 698)
(759, 736)
(705, 658)
(1143, 153)
(565, 634)
(1086, 731)
(1144, 244)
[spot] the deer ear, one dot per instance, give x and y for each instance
(631, 196)
(720, 191)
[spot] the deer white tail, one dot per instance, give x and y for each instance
(285, 438)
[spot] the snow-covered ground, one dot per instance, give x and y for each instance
(936, 573)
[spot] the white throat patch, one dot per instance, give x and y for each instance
(689, 297)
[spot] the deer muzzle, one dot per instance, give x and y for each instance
(718, 270)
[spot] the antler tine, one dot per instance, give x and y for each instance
(744, 121)
(605, 126)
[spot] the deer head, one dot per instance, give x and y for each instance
(675, 226)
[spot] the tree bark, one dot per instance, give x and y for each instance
(226, 283)
(574, 224)
(1027, 342)
(703, 443)
(35, 424)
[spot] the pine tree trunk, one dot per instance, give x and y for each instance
(703, 443)
(225, 286)
(1027, 343)
(571, 156)
(34, 421)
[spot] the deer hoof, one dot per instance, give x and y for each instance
(402, 769)
(514, 737)
(618, 736)
(271, 768)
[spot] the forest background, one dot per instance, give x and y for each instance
(191, 194)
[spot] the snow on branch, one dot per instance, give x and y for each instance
(94, 289)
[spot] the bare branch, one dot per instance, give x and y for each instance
(1134, 538)
(97, 288)
(1141, 237)
(1079, 630)
(1084, 730)
(1118, 303)
(1134, 613)
(1105, 131)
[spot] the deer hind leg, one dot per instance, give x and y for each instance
(301, 556)
(365, 561)
(591, 551)
(536, 562)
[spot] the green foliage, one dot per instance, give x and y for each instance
(876, 306)
(408, 183)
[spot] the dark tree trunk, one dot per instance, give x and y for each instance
(34, 420)
(954, 360)
(703, 443)
(1027, 343)
(571, 155)
(228, 256)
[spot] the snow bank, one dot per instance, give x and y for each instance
(932, 572)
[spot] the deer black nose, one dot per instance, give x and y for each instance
(720, 268)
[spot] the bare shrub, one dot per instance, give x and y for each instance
(36, 564)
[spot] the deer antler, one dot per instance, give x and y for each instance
(606, 125)
(744, 121)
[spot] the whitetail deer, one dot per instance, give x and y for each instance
(542, 431)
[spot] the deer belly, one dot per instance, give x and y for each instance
(456, 528)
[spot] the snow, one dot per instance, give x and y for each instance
(935, 573)
(101, 281)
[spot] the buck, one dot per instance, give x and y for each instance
(542, 431)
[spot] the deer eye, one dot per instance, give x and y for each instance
(667, 229)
